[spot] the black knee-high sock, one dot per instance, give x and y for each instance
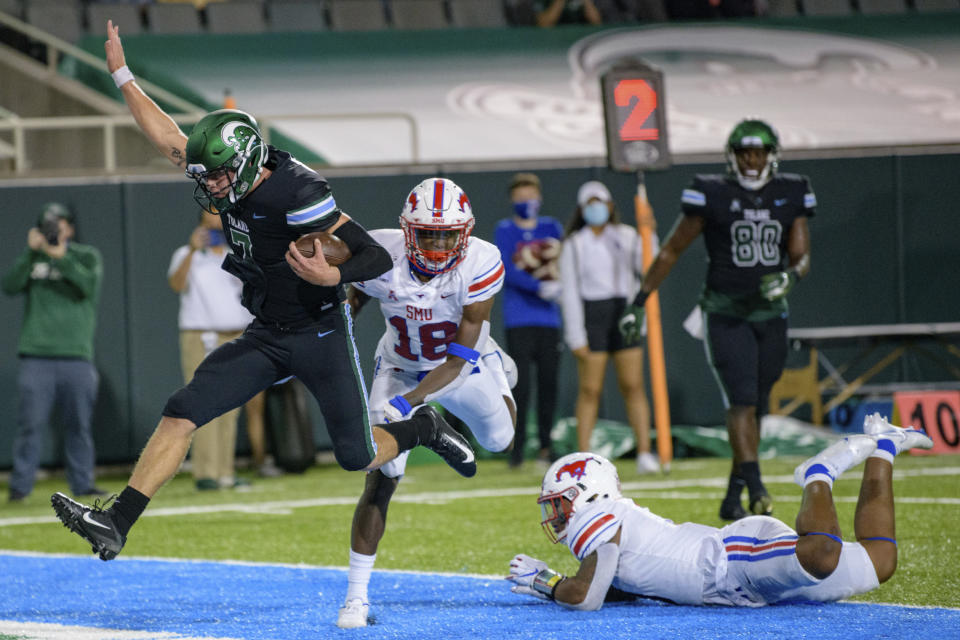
(750, 471)
(735, 487)
(128, 507)
(410, 433)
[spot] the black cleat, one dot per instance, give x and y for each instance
(448, 444)
(93, 524)
(761, 504)
(732, 510)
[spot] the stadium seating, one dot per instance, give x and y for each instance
(930, 6)
(827, 7)
(782, 8)
(302, 15)
(418, 14)
(61, 18)
(238, 16)
(65, 18)
(477, 13)
(12, 7)
(173, 18)
(357, 15)
(878, 7)
(126, 16)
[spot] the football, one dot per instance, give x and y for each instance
(335, 250)
(539, 258)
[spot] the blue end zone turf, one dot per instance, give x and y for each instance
(259, 601)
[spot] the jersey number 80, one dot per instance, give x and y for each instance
(756, 242)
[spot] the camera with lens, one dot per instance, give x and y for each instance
(50, 228)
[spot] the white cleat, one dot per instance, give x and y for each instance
(353, 614)
(838, 457)
(903, 439)
(647, 463)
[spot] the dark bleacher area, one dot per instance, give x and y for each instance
(71, 19)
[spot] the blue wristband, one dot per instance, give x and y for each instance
(400, 404)
(468, 354)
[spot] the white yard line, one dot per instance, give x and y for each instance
(630, 489)
(48, 631)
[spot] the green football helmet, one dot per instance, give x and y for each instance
(753, 133)
(226, 143)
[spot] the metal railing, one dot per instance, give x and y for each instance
(57, 48)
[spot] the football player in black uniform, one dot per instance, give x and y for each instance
(754, 224)
(266, 199)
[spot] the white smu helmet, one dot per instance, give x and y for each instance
(436, 220)
(571, 482)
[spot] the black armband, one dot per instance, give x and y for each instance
(369, 259)
(641, 298)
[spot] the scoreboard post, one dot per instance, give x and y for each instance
(635, 123)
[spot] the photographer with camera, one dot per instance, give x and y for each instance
(61, 281)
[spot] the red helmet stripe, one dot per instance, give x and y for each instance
(438, 197)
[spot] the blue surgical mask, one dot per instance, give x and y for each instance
(596, 214)
(527, 209)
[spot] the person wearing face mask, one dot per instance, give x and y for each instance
(600, 267)
(530, 248)
(754, 225)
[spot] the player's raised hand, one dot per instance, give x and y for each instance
(314, 269)
(113, 48)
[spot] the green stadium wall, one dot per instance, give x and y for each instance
(884, 251)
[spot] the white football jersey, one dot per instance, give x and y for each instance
(422, 318)
(657, 557)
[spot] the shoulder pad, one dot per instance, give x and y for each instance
(593, 526)
(483, 270)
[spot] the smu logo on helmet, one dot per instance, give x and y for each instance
(412, 201)
(464, 202)
(234, 136)
(576, 470)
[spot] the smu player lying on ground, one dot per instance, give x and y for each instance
(436, 302)
(625, 550)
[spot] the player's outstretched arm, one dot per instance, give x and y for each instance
(159, 127)
(468, 337)
(585, 591)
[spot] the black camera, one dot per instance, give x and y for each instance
(50, 228)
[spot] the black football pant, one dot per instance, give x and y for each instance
(747, 357)
(540, 347)
(323, 356)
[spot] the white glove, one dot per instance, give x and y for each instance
(523, 569)
(550, 290)
(528, 591)
(397, 409)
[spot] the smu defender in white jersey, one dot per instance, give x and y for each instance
(436, 302)
(626, 551)
(422, 317)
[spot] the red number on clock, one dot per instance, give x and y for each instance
(633, 127)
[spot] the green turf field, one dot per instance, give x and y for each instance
(442, 522)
